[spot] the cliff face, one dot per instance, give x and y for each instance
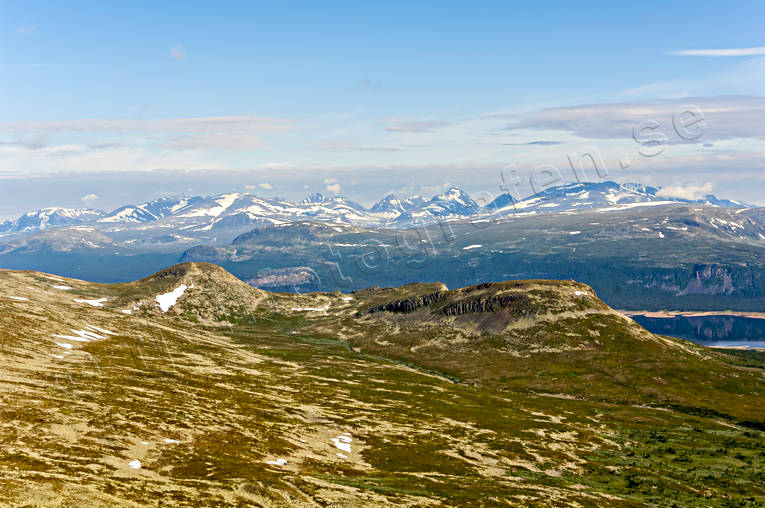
(406, 305)
(515, 304)
(710, 280)
(459, 302)
(705, 279)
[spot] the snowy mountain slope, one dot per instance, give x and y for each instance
(452, 203)
(50, 217)
(392, 206)
(236, 210)
(600, 195)
(163, 207)
(151, 211)
(129, 213)
(320, 199)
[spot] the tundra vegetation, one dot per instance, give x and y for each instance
(522, 393)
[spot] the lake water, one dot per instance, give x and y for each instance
(720, 331)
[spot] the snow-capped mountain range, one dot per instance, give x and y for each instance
(602, 195)
(241, 210)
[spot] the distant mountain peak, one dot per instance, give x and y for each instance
(453, 194)
(639, 187)
(453, 201)
(391, 204)
(315, 199)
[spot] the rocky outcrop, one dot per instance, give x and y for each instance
(203, 253)
(464, 301)
(412, 304)
(514, 303)
(710, 280)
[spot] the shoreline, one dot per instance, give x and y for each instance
(678, 313)
(739, 348)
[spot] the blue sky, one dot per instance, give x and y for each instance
(106, 99)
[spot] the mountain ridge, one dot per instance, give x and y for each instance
(236, 209)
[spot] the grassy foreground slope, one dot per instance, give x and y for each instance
(516, 394)
(553, 337)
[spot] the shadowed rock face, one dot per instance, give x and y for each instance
(710, 279)
(512, 299)
(412, 304)
(477, 304)
(496, 303)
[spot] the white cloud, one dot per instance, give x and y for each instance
(178, 52)
(89, 198)
(725, 117)
(346, 146)
(264, 185)
(26, 29)
(759, 50)
(469, 152)
(686, 190)
(170, 125)
(218, 141)
(332, 186)
(197, 134)
(420, 189)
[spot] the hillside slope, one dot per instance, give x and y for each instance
(553, 337)
(223, 394)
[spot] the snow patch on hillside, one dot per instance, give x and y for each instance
(343, 442)
(167, 300)
(93, 303)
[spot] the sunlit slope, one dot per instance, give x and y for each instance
(236, 396)
(552, 337)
